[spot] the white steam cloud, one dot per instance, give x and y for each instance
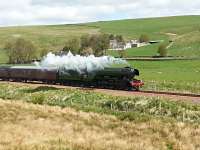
(78, 63)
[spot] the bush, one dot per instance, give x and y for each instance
(99, 43)
(73, 45)
(20, 51)
(43, 52)
(122, 53)
(144, 38)
(87, 51)
(162, 50)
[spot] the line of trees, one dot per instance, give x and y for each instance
(21, 50)
(96, 44)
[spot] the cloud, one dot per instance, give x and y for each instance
(27, 12)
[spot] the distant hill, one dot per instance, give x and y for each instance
(183, 30)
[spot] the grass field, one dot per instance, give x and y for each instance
(176, 75)
(51, 37)
(156, 28)
(88, 120)
(3, 57)
(150, 50)
(183, 30)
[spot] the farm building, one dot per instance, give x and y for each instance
(114, 45)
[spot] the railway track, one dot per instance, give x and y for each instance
(170, 93)
(147, 93)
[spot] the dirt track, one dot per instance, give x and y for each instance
(120, 92)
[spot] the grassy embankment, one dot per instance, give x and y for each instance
(115, 122)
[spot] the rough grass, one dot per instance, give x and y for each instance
(27, 126)
(125, 108)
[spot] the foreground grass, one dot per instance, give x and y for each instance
(26, 126)
(137, 108)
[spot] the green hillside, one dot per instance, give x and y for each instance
(183, 30)
(157, 28)
(50, 37)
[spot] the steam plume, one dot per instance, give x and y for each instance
(78, 63)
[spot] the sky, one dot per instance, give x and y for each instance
(34, 12)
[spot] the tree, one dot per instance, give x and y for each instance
(111, 37)
(103, 44)
(85, 41)
(120, 39)
(43, 52)
(87, 51)
(144, 38)
(162, 50)
(20, 51)
(121, 53)
(73, 45)
(99, 43)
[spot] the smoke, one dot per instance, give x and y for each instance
(78, 63)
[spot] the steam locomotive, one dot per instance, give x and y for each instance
(110, 78)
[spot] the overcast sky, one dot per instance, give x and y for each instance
(31, 12)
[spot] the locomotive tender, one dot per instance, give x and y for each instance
(112, 78)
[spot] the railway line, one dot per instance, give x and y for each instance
(190, 97)
(170, 93)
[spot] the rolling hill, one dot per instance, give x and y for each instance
(183, 30)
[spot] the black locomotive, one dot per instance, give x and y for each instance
(111, 78)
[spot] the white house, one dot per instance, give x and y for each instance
(114, 45)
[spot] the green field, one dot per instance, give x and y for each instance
(156, 28)
(183, 30)
(170, 75)
(3, 56)
(51, 38)
(150, 50)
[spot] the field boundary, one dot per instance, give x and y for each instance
(159, 59)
